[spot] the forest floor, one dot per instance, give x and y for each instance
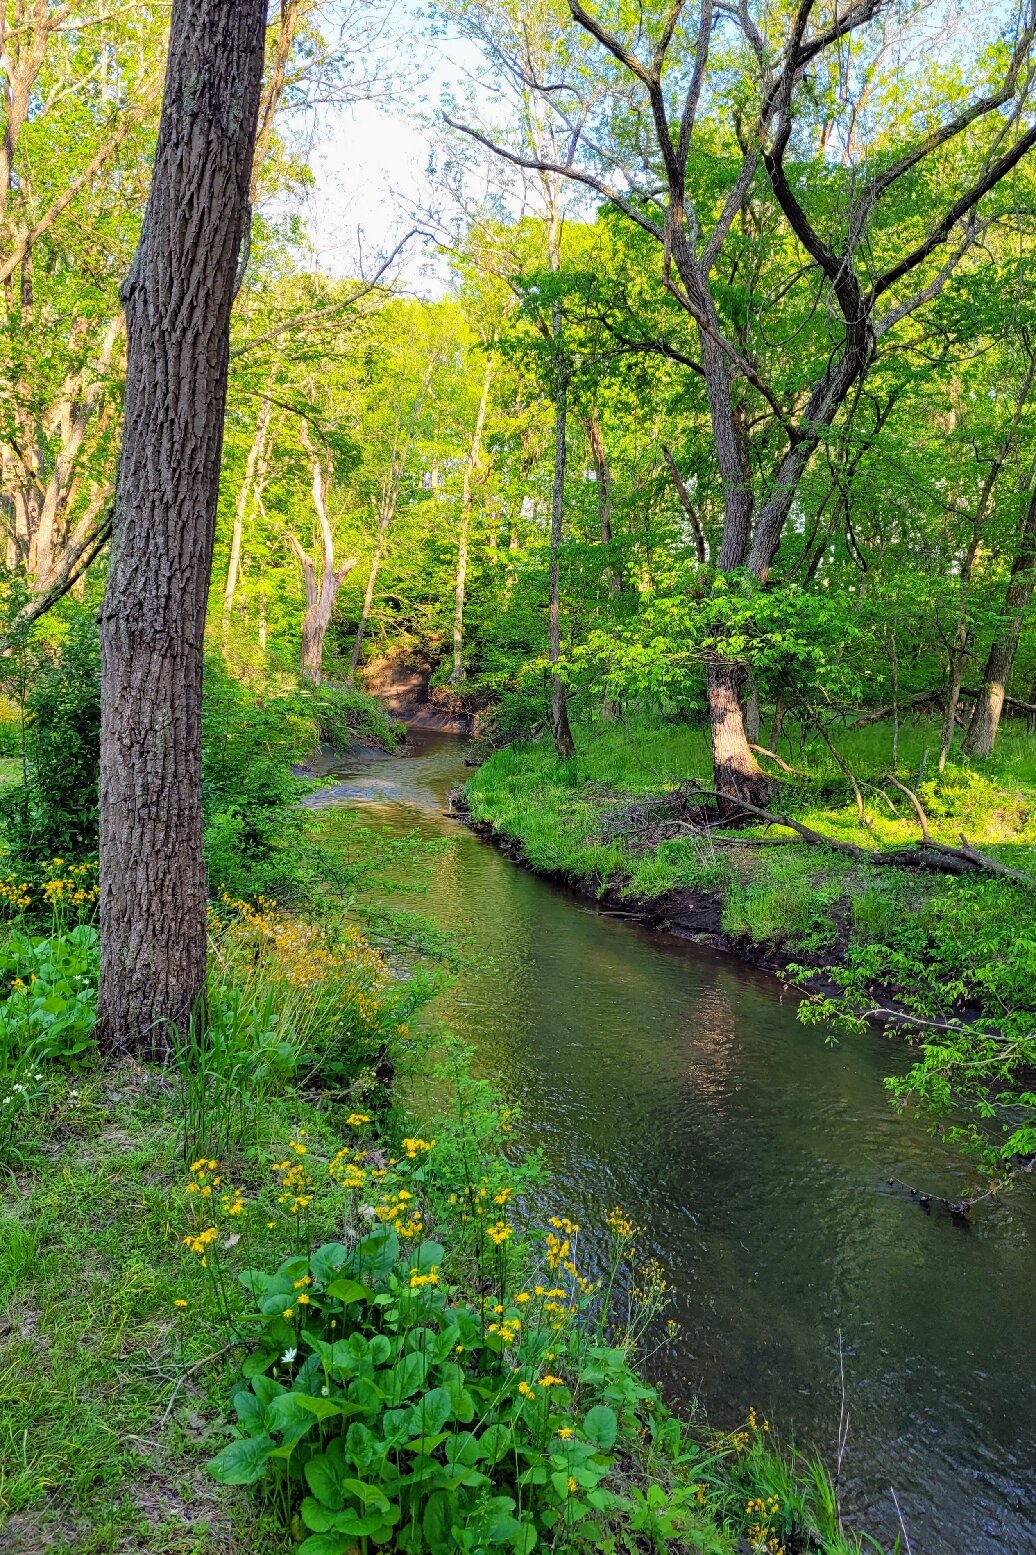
(924, 950)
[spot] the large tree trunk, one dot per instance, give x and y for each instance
(470, 471)
(177, 296)
(322, 591)
(985, 718)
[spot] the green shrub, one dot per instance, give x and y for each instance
(47, 1016)
(53, 813)
(412, 1413)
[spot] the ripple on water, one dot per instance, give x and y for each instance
(679, 1084)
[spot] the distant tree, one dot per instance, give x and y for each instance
(177, 297)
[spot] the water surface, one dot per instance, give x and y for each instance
(679, 1083)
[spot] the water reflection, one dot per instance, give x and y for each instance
(679, 1084)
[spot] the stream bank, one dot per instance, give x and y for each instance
(654, 1073)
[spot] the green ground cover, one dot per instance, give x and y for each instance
(289, 1290)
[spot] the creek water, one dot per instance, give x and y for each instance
(680, 1084)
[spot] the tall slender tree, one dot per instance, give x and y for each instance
(177, 298)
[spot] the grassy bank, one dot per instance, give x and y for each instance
(952, 958)
(289, 1291)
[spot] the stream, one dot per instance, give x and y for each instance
(678, 1083)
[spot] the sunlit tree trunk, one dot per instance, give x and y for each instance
(470, 471)
(254, 477)
(321, 588)
(177, 296)
(985, 718)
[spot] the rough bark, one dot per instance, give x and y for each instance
(471, 469)
(989, 705)
(321, 590)
(177, 297)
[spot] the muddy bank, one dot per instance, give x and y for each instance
(401, 684)
(698, 916)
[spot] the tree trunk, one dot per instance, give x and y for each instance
(177, 296)
(735, 771)
(985, 717)
(562, 729)
(470, 471)
(255, 473)
(751, 714)
(368, 593)
(322, 591)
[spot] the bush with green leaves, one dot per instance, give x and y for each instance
(400, 1410)
(53, 812)
(48, 1011)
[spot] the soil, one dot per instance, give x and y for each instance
(401, 684)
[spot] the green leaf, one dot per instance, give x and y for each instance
(431, 1412)
(325, 1263)
(348, 1291)
(327, 1544)
(324, 1478)
(243, 1462)
(323, 1408)
(406, 1377)
(601, 1426)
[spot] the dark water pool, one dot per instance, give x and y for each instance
(679, 1084)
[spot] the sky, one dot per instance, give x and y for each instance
(371, 160)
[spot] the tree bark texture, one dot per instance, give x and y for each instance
(985, 718)
(177, 298)
(322, 591)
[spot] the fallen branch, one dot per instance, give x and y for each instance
(926, 854)
(917, 700)
(761, 750)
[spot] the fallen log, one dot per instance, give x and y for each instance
(925, 854)
(917, 700)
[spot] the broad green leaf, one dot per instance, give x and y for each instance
(601, 1426)
(243, 1462)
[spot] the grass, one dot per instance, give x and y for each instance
(948, 950)
(121, 1349)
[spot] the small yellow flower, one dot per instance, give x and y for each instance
(179, 1302)
(572, 1486)
(526, 1391)
(357, 1119)
(565, 1432)
(288, 1312)
(302, 1299)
